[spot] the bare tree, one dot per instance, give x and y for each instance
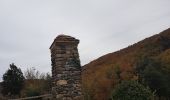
(32, 73)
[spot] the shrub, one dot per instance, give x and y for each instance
(131, 90)
(32, 91)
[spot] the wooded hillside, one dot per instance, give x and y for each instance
(100, 75)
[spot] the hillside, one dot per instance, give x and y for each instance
(98, 76)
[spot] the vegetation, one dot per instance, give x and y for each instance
(36, 83)
(75, 62)
(32, 73)
(131, 90)
(154, 73)
(13, 81)
(100, 73)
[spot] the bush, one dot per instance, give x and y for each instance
(131, 90)
(30, 92)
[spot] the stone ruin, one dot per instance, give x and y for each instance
(66, 69)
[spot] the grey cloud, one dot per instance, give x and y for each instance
(28, 27)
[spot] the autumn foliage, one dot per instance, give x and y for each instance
(101, 75)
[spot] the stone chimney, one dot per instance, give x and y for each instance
(66, 69)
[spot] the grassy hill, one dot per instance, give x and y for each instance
(99, 76)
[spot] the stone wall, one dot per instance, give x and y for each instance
(66, 69)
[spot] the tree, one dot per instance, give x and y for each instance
(37, 83)
(32, 73)
(48, 82)
(154, 74)
(13, 81)
(131, 90)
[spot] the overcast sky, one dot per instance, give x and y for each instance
(28, 27)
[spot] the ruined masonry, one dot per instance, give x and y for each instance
(66, 69)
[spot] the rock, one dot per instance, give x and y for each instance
(61, 82)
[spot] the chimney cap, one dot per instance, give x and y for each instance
(64, 39)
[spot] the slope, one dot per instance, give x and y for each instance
(99, 75)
